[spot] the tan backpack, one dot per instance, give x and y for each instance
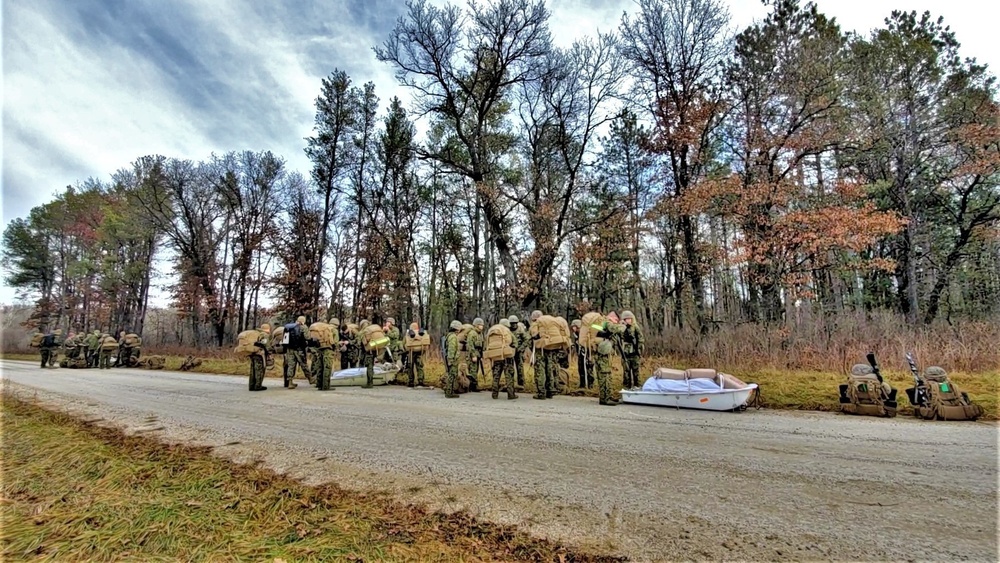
(590, 325)
(499, 342)
(324, 334)
(945, 400)
(36, 340)
(864, 394)
(463, 336)
(109, 343)
(132, 340)
(550, 333)
(373, 338)
(566, 332)
(245, 343)
(277, 335)
(419, 342)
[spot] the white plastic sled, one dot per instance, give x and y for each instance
(703, 389)
(356, 377)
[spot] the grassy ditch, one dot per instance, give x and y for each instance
(77, 492)
(781, 389)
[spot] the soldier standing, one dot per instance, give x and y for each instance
(541, 364)
(602, 361)
(451, 359)
(504, 366)
(257, 359)
(108, 348)
(295, 352)
(50, 342)
(584, 364)
(633, 345)
(120, 361)
(415, 360)
(367, 356)
(521, 341)
(93, 343)
(322, 337)
(474, 344)
(394, 350)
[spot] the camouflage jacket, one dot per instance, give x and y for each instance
(521, 339)
(451, 348)
(474, 343)
(395, 344)
(633, 343)
(93, 341)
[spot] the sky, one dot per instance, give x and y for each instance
(91, 85)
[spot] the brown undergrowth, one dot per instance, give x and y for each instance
(73, 491)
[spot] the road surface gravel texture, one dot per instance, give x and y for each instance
(646, 482)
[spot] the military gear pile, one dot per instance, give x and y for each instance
(499, 342)
(549, 333)
(864, 394)
(943, 400)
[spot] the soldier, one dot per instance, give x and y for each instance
(541, 365)
(346, 347)
(474, 345)
(415, 358)
(602, 361)
(120, 360)
(48, 346)
(367, 356)
(295, 352)
(584, 364)
(451, 359)
(257, 359)
(504, 366)
(93, 344)
(71, 349)
(108, 348)
(395, 348)
(633, 345)
(323, 355)
(521, 341)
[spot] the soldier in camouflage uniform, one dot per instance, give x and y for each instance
(93, 343)
(295, 355)
(49, 346)
(602, 360)
(257, 360)
(584, 363)
(71, 347)
(415, 361)
(505, 368)
(451, 359)
(394, 350)
(633, 345)
(544, 366)
(367, 356)
(474, 344)
(322, 362)
(346, 347)
(521, 341)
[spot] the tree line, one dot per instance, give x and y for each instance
(699, 176)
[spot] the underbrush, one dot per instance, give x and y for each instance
(77, 492)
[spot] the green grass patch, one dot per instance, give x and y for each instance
(77, 492)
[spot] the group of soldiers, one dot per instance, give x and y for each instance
(623, 336)
(87, 349)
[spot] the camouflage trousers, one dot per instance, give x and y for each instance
(415, 368)
(256, 372)
(368, 358)
(545, 367)
(451, 377)
(105, 359)
(504, 368)
(47, 355)
(293, 360)
(322, 366)
(518, 361)
(602, 365)
(475, 370)
(630, 365)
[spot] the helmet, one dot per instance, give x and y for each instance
(861, 369)
(513, 319)
(301, 320)
(265, 327)
(390, 320)
(334, 321)
(414, 326)
(935, 371)
(577, 323)
(505, 322)
(456, 325)
(478, 322)
(627, 315)
(364, 323)
(535, 314)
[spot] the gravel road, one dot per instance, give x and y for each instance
(650, 483)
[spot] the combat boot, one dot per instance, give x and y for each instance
(608, 402)
(495, 394)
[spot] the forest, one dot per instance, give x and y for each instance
(786, 190)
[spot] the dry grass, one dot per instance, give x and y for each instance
(73, 492)
(781, 387)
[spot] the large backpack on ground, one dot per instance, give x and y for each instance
(463, 337)
(245, 343)
(499, 343)
(73, 363)
(36, 340)
(864, 394)
(109, 343)
(550, 333)
(278, 340)
(942, 399)
(373, 338)
(132, 340)
(294, 335)
(322, 333)
(154, 362)
(416, 341)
